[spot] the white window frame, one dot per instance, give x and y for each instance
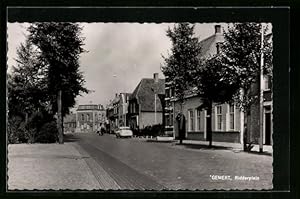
(266, 80)
(198, 120)
(229, 118)
(190, 123)
(217, 118)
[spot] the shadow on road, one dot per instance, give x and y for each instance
(260, 153)
(201, 146)
(70, 138)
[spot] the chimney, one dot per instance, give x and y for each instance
(217, 29)
(155, 77)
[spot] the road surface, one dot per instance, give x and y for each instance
(134, 163)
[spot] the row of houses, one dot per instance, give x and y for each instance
(153, 102)
(227, 119)
(143, 107)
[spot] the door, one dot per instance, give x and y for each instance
(268, 128)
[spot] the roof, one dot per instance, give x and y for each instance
(208, 48)
(144, 94)
(116, 100)
(209, 45)
(90, 107)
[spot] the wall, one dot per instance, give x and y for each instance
(233, 136)
(148, 118)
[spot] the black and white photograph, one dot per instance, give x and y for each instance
(140, 106)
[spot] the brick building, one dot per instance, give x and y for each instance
(145, 107)
(227, 119)
(90, 117)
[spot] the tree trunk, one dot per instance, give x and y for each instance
(245, 137)
(180, 136)
(59, 118)
(209, 124)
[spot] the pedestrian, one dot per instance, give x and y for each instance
(102, 129)
(98, 130)
(181, 126)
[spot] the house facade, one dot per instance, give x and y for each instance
(123, 109)
(227, 119)
(112, 111)
(90, 117)
(117, 112)
(145, 106)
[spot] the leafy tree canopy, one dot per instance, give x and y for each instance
(182, 62)
(241, 53)
(60, 46)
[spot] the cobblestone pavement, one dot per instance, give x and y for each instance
(49, 167)
(137, 164)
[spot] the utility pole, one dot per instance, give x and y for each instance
(155, 118)
(261, 101)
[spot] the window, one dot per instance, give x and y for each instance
(87, 117)
(267, 81)
(82, 117)
(167, 120)
(231, 116)
(172, 92)
(219, 117)
(167, 93)
(191, 120)
(198, 119)
(171, 119)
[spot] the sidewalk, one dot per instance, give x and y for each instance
(233, 146)
(52, 166)
(267, 149)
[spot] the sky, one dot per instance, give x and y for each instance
(119, 54)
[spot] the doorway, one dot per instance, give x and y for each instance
(268, 126)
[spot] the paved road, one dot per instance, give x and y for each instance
(137, 164)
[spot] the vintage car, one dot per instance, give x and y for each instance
(124, 132)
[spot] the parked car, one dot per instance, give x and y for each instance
(124, 132)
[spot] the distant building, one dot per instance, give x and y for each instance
(145, 107)
(113, 114)
(70, 123)
(123, 109)
(90, 117)
(117, 112)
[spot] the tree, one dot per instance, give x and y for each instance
(60, 45)
(241, 52)
(181, 64)
(26, 83)
(26, 91)
(216, 83)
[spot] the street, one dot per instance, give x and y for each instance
(135, 163)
